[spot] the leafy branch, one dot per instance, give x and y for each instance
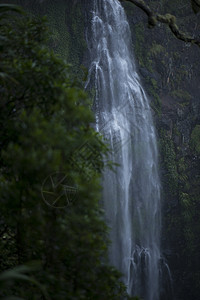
(20, 273)
(168, 19)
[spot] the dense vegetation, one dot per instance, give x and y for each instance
(51, 248)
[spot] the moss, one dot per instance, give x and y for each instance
(176, 55)
(183, 178)
(66, 24)
(60, 39)
(129, 8)
(76, 26)
(169, 162)
(180, 94)
(149, 63)
(176, 132)
(152, 88)
(182, 73)
(139, 44)
(156, 104)
(157, 49)
(154, 83)
(195, 139)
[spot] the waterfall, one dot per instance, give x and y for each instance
(131, 194)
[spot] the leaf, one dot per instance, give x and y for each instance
(18, 274)
(10, 7)
(5, 76)
(12, 298)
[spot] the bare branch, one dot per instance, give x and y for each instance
(168, 19)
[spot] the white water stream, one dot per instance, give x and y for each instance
(132, 193)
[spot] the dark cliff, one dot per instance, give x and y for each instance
(170, 70)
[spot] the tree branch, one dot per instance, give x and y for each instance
(168, 19)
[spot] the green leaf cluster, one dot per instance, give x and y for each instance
(195, 139)
(45, 129)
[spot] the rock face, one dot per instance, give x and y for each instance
(170, 70)
(67, 23)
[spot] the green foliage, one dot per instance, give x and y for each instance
(44, 121)
(153, 91)
(169, 162)
(181, 94)
(182, 169)
(66, 26)
(129, 8)
(195, 139)
(139, 33)
(66, 21)
(183, 216)
(20, 273)
(157, 49)
(5, 8)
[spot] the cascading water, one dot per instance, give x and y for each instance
(131, 193)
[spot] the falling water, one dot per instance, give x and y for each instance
(123, 115)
